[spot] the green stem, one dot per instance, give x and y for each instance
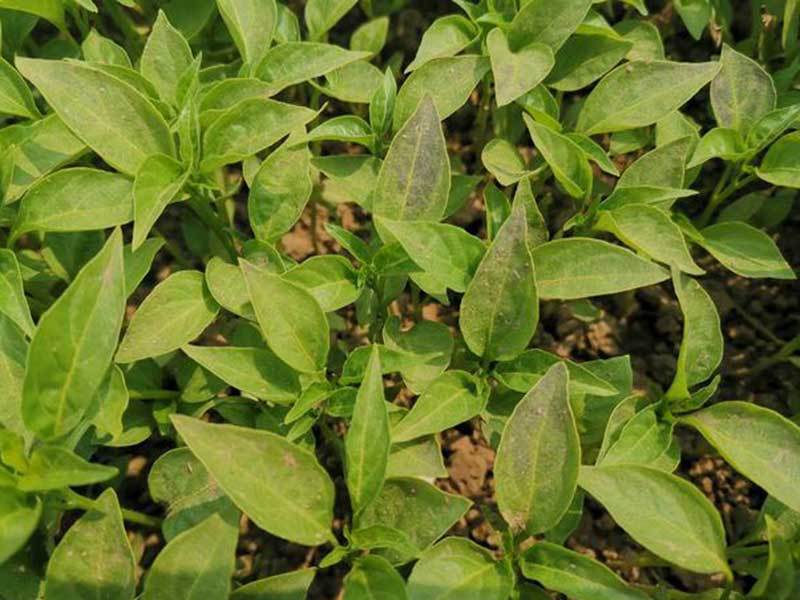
(748, 551)
(73, 500)
(153, 394)
(211, 220)
(175, 250)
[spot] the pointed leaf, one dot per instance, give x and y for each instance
(368, 439)
(165, 58)
(574, 268)
(459, 568)
(758, 442)
(251, 24)
(500, 309)
(158, 181)
(197, 564)
(66, 367)
(13, 303)
(106, 570)
(175, 313)
(742, 92)
(452, 398)
(292, 322)
(112, 117)
(516, 73)
(664, 513)
(640, 93)
(539, 439)
(414, 180)
(279, 485)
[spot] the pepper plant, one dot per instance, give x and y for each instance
(522, 155)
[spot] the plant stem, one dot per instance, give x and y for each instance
(153, 394)
(74, 500)
(211, 220)
(722, 192)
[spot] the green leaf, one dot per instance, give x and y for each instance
(159, 180)
(742, 92)
(664, 513)
(251, 24)
(525, 371)
(255, 371)
(418, 509)
(539, 439)
(502, 160)
(350, 178)
(640, 93)
(331, 279)
(575, 575)
(781, 165)
(13, 352)
(279, 485)
(573, 268)
(197, 564)
(767, 129)
(745, 250)
(19, 516)
(368, 438)
(565, 158)
(444, 251)
(112, 117)
(248, 128)
(279, 192)
(373, 577)
(459, 568)
(585, 58)
(462, 74)
(175, 313)
(444, 38)
(138, 263)
(79, 199)
(180, 482)
(452, 398)
(516, 72)
(723, 143)
(15, 97)
(107, 570)
(702, 345)
(295, 62)
(381, 104)
(645, 37)
(663, 167)
(695, 14)
(12, 295)
(102, 50)
(500, 309)
(780, 575)
(322, 15)
(227, 285)
(643, 440)
(53, 467)
(541, 21)
(35, 150)
(594, 152)
(758, 442)
(291, 320)
(650, 230)
(430, 339)
(345, 128)
(356, 82)
(286, 586)
(165, 58)
(414, 180)
(66, 367)
(370, 36)
(52, 10)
